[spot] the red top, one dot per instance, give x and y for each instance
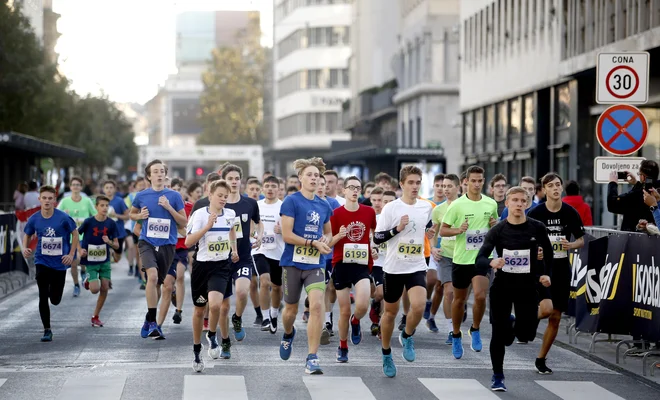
(181, 242)
(582, 208)
(358, 224)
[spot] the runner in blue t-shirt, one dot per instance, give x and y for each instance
(54, 253)
(99, 234)
(306, 231)
(161, 212)
(118, 212)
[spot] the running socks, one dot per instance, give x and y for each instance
(197, 348)
(387, 352)
(273, 312)
(343, 344)
(258, 311)
(151, 315)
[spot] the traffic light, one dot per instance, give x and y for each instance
(199, 171)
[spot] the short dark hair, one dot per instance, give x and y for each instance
(77, 178)
(463, 176)
(409, 170)
(528, 179)
(474, 169)
(110, 181)
(293, 176)
(438, 177)
(382, 176)
(291, 189)
(572, 188)
(377, 190)
(147, 169)
(497, 178)
(650, 169)
(352, 178)
(176, 181)
(232, 168)
(272, 179)
(212, 176)
(389, 193)
(47, 188)
(331, 172)
(549, 177)
(32, 185)
(453, 178)
(101, 198)
(220, 183)
(194, 185)
(253, 181)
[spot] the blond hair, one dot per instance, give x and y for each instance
(301, 164)
(516, 190)
(220, 183)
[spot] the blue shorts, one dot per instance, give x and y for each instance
(181, 256)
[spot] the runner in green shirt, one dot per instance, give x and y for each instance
(79, 208)
(474, 214)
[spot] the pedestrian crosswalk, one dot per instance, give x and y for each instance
(234, 387)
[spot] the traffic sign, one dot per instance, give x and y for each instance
(622, 78)
(604, 165)
(622, 129)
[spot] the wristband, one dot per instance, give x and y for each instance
(311, 243)
(653, 208)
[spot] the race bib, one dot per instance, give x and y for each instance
(474, 239)
(51, 246)
(268, 242)
(410, 250)
(238, 228)
(219, 248)
(158, 228)
(306, 255)
(97, 253)
(356, 253)
(557, 247)
(382, 249)
(516, 261)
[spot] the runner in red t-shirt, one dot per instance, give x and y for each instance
(352, 226)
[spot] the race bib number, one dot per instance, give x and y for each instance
(97, 253)
(355, 253)
(158, 228)
(51, 246)
(474, 239)
(306, 255)
(238, 228)
(219, 248)
(410, 250)
(557, 247)
(516, 261)
(268, 242)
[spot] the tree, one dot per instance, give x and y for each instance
(232, 101)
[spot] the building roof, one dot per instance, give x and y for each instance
(39, 146)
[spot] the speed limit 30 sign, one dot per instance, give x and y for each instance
(623, 78)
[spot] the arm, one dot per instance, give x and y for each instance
(447, 231)
(548, 254)
(620, 203)
(75, 242)
(232, 241)
(483, 262)
(136, 214)
(288, 235)
(124, 215)
(196, 232)
(384, 236)
(179, 216)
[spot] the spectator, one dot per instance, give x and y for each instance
(31, 198)
(19, 196)
(576, 201)
(631, 204)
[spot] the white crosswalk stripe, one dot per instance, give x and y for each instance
(214, 387)
(103, 387)
(568, 390)
(2, 382)
(332, 388)
(458, 389)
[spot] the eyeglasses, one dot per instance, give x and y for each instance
(354, 188)
(500, 186)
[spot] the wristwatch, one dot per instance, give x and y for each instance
(653, 208)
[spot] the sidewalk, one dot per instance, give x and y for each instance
(13, 281)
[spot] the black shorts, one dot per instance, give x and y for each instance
(265, 265)
(242, 269)
(156, 257)
(428, 260)
(120, 250)
(560, 288)
(461, 275)
(328, 269)
(543, 292)
(136, 239)
(346, 275)
(181, 256)
(377, 275)
(393, 284)
(209, 276)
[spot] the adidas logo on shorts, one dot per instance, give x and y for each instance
(201, 299)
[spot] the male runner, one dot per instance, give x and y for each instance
(306, 231)
(402, 225)
(211, 229)
(352, 226)
(473, 215)
(54, 253)
(332, 186)
(79, 208)
(562, 222)
(161, 211)
(132, 240)
(99, 234)
(376, 201)
(117, 212)
(519, 273)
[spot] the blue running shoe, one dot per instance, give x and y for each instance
(457, 346)
(408, 348)
(430, 323)
(160, 335)
(239, 332)
(48, 336)
(145, 329)
(497, 383)
(449, 340)
(312, 366)
(389, 369)
(214, 348)
(286, 345)
(342, 355)
(153, 330)
(76, 291)
(225, 354)
(427, 310)
(356, 332)
(476, 340)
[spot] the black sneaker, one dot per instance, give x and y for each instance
(402, 323)
(173, 298)
(374, 329)
(258, 321)
(265, 325)
(176, 318)
(328, 326)
(273, 325)
(541, 367)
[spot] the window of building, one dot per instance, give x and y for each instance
(502, 120)
(542, 15)
(490, 123)
(419, 132)
(403, 134)
(466, 41)
(518, 20)
(411, 129)
(515, 117)
(313, 37)
(304, 123)
(479, 127)
(563, 107)
(532, 17)
(313, 79)
(528, 124)
(468, 119)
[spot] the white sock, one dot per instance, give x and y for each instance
(450, 326)
(273, 312)
(432, 316)
(327, 317)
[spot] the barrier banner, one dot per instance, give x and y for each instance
(642, 260)
(579, 259)
(614, 288)
(591, 257)
(11, 258)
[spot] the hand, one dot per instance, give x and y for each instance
(403, 223)
(234, 257)
(430, 233)
(257, 243)
(321, 246)
(497, 263)
(641, 225)
(374, 254)
(105, 239)
(342, 232)
(649, 199)
(436, 253)
(655, 193)
(83, 253)
(277, 229)
(323, 239)
(565, 244)
(67, 259)
(144, 213)
(614, 177)
(27, 252)
(631, 178)
(163, 202)
(545, 280)
(464, 226)
(492, 222)
(212, 218)
(539, 256)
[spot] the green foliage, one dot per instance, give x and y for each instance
(232, 101)
(35, 100)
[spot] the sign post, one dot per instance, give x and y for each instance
(622, 78)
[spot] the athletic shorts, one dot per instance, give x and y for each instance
(181, 256)
(209, 276)
(294, 280)
(520, 296)
(443, 267)
(461, 275)
(265, 265)
(99, 271)
(377, 275)
(395, 283)
(560, 287)
(120, 250)
(136, 238)
(328, 269)
(156, 257)
(242, 269)
(346, 275)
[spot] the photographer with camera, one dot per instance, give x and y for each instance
(631, 204)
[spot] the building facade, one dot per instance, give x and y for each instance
(528, 82)
(310, 79)
(33, 10)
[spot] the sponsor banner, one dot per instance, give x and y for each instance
(592, 257)
(643, 261)
(11, 258)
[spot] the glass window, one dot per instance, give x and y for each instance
(334, 78)
(563, 107)
(515, 117)
(490, 123)
(479, 125)
(344, 78)
(528, 124)
(502, 120)
(468, 119)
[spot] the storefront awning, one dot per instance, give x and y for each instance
(40, 147)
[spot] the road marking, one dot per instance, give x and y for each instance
(214, 387)
(458, 389)
(2, 382)
(332, 388)
(568, 390)
(103, 387)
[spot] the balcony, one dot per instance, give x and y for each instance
(382, 101)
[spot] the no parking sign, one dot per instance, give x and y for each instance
(622, 130)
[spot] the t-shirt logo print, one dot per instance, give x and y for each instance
(50, 232)
(355, 231)
(313, 217)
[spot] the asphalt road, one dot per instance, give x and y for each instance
(114, 362)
